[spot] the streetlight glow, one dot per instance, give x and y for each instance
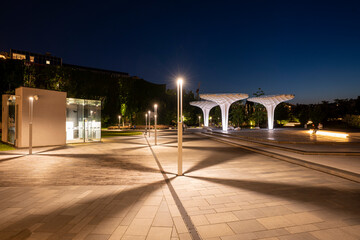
(180, 81)
(180, 123)
(155, 122)
(145, 124)
(149, 122)
(31, 113)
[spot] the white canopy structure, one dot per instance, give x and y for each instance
(205, 106)
(224, 100)
(270, 103)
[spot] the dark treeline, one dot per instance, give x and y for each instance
(132, 97)
(341, 113)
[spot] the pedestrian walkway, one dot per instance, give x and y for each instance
(341, 159)
(126, 188)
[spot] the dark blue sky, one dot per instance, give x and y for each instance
(308, 48)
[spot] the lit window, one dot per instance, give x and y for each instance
(18, 56)
(31, 58)
(47, 61)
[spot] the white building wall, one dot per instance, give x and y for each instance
(49, 117)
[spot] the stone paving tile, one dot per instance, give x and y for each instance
(352, 230)
(332, 234)
(215, 230)
(275, 210)
(118, 233)
(185, 236)
(180, 225)
(249, 214)
(199, 220)
(39, 236)
(133, 238)
(243, 236)
(276, 222)
(330, 224)
(97, 237)
(221, 217)
(302, 228)
(246, 226)
(107, 226)
(139, 227)
(156, 233)
(271, 233)
(272, 238)
(298, 236)
(303, 218)
(114, 190)
(147, 212)
(163, 219)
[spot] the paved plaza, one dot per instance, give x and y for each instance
(127, 188)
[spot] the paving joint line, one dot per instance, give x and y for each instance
(184, 215)
(315, 166)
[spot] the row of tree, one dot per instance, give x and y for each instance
(128, 96)
(132, 97)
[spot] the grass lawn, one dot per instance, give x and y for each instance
(105, 134)
(5, 147)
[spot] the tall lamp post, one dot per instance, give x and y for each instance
(31, 113)
(149, 123)
(119, 120)
(199, 121)
(180, 124)
(145, 123)
(155, 116)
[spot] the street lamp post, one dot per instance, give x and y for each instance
(155, 123)
(145, 123)
(149, 122)
(199, 121)
(180, 124)
(31, 113)
(119, 120)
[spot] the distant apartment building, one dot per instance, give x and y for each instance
(48, 59)
(98, 70)
(35, 58)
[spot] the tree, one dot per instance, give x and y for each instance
(259, 114)
(237, 113)
(283, 113)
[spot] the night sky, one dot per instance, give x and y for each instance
(308, 49)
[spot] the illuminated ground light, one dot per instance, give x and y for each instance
(329, 134)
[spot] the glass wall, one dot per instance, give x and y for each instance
(83, 120)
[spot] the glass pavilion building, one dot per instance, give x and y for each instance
(56, 120)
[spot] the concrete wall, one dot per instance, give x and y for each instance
(49, 117)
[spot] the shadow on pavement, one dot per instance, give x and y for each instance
(96, 209)
(325, 197)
